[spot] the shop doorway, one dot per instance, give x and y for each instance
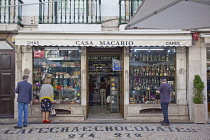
(105, 98)
(7, 82)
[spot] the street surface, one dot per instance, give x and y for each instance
(106, 131)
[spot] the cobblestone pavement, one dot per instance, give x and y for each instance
(106, 131)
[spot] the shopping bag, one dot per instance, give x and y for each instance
(53, 112)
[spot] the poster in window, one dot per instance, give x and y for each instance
(116, 65)
(38, 54)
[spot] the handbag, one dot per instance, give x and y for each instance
(53, 112)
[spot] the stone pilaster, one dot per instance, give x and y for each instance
(18, 74)
(84, 78)
(196, 65)
(27, 62)
(204, 74)
(181, 76)
(126, 79)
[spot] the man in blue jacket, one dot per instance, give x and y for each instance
(24, 90)
(165, 94)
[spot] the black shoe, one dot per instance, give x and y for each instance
(162, 122)
(18, 127)
(165, 124)
(24, 125)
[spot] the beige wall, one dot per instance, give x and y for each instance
(196, 65)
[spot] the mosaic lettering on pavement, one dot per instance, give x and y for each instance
(106, 131)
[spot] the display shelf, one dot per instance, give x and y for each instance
(114, 94)
(155, 62)
(63, 60)
(151, 76)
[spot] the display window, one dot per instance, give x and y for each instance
(147, 66)
(63, 66)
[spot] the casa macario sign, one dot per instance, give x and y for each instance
(110, 43)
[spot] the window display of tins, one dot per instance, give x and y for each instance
(147, 66)
(63, 65)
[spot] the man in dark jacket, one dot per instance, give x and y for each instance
(24, 90)
(165, 94)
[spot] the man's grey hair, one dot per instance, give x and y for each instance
(163, 79)
(25, 77)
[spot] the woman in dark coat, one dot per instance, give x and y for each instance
(91, 91)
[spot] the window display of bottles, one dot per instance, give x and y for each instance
(61, 64)
(147, 66)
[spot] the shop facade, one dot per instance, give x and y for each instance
(144, 59)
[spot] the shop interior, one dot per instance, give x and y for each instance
(104, 81)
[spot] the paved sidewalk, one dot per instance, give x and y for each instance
(106, 131)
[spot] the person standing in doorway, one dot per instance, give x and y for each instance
(103, 91)
(108, 93)
(24, 90)
(91, 91)
(46, 98)
(165, 94)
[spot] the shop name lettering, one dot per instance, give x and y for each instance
(99, 129)
(173, 43)
(32, 42)
(105, 43)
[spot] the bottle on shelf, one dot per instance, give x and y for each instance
(151, 57)
(159, 57)
(167, 57)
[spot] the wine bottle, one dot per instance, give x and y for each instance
(167, 57)
(163, 58)
(165, 73)
(157, 71)
(143, 57)
(159, 57)
(161, 72)
(148, 57)
(155, 58)
(140, 57)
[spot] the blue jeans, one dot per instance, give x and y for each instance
(164, 107)
(22, 108)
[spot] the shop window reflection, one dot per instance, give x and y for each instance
(147, 66)
(63, 65)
